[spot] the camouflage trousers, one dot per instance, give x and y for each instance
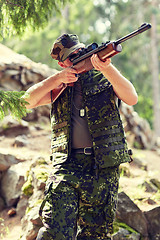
(80, 201)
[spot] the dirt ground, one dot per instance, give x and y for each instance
(39, 144)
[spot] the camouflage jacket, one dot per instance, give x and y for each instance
(103, 118)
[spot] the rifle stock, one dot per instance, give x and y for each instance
(108, 52)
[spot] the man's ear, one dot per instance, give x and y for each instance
(61, 64)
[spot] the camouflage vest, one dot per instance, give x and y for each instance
(105, 125)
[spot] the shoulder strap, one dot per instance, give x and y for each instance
(51, 96)
(119, 103)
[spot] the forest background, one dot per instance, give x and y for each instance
(30, 28)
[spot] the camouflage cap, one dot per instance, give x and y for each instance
(64, 46)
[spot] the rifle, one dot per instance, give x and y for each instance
(81, 60)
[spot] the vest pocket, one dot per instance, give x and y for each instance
(95, 89)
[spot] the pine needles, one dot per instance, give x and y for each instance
(19, 15)
(11, 102)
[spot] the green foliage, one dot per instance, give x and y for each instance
(12, 101)
(18, 15)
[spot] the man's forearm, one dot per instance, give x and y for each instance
(122, 87)
(39, 94)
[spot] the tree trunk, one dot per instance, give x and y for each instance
(155, 70)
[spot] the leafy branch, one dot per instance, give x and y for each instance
(12, 102)
(17, 16)
(7, 2)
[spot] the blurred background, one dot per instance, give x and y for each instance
(27, 32)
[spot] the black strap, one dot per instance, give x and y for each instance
(119, 103)
(110, 148)
(106, 132)
(51, 96)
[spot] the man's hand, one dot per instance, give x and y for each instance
(68, 75)
(98, 64)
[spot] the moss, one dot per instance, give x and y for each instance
(38, 202)
(41, 173)
(27, 187)
(28, 209)
(117, 225)
(41, 161)
(124, 171)
(35, 204)
(137, 145)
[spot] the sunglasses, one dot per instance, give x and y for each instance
(73, 56)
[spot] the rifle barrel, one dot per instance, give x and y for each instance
(141, 29)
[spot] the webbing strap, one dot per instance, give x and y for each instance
(104, 124)
(60, 125)
(110, 148)
(106, 132)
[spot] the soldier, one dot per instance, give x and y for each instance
(88, 145)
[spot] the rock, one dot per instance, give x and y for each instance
(124, 234)
(124, 171)
(2, 204)
(22, 205)
(34, 216)
(153, 218)
(156, 182)
(37, 176)
(149, 187)
(158, 142)
(137, 129)
(20, 141)
(12, 183)
(140, 163)
(150, 201)
(1, 175)
(11, 195)
(30, 232)
(7, 160)
(129, 213)
(11, 212)
(32, 116)
(18, 73)
(158, 151)
(12, 127)
(31, 222)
